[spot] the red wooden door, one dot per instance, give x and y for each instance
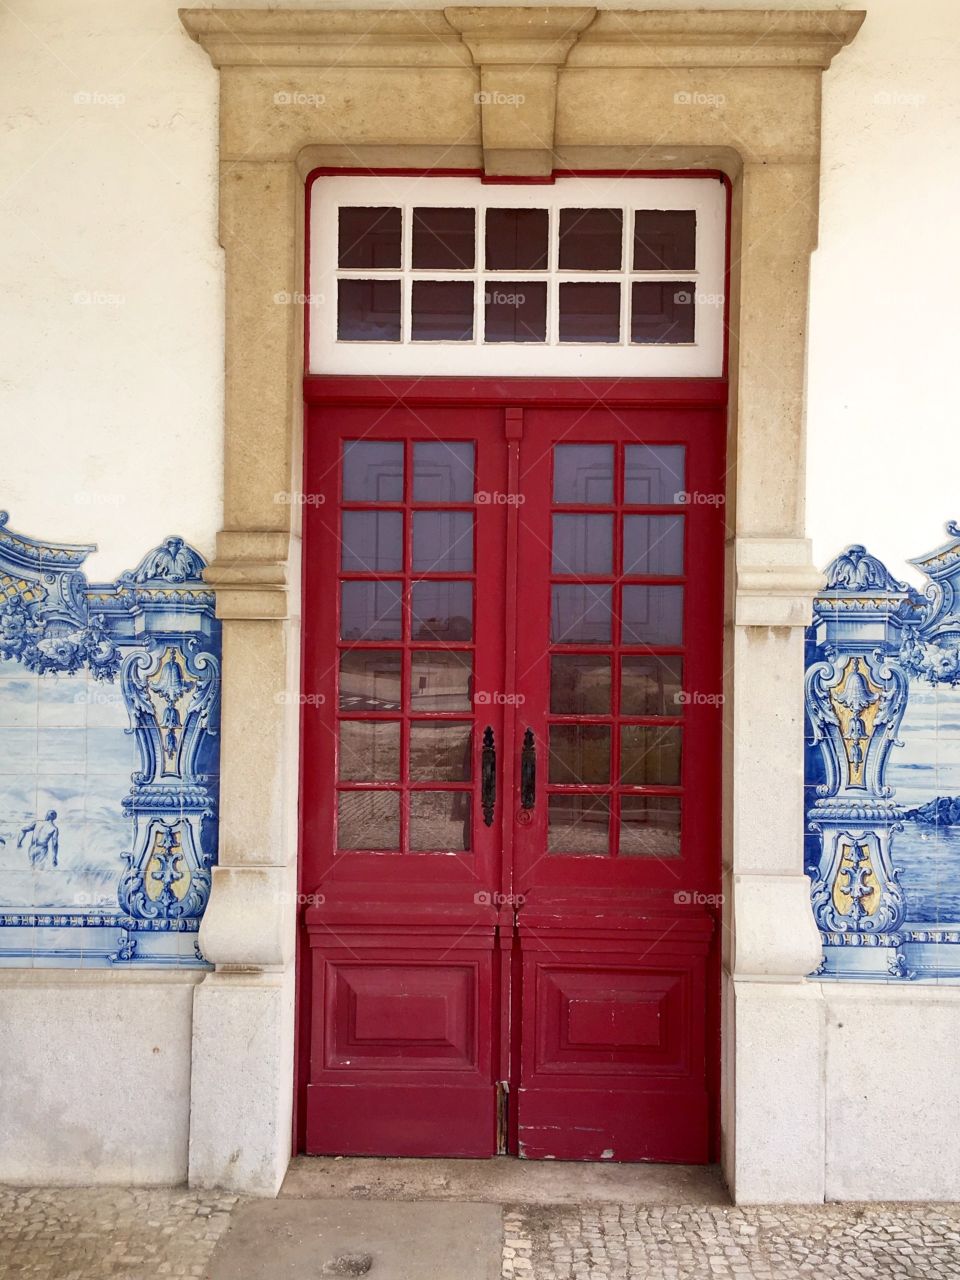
(510, 797)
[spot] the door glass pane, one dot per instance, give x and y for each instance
(372, 541)
(442, 610)
(516, 239)
(654, 474)
(439, 821)
(662, 312)
(589, 312)
(440, 753)
(650, 826)
(591, 239)
(579, 684)
(582, 544)
(650, 755)
(442, 311)
(370, 680)
(373, 471)
(440, 680)
(444, 239)
(369, 751)
(665, 240)
(368, 820)
(515, 311)
(368, 237)
(578, 824)
(579, 753)
(368, 310)
(653, 544)
(371, 610)
(650, 686)
(443, 542)
(653, 615)
(443, 471)
(583, 473)
(580, 614)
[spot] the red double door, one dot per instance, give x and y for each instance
(510, 792)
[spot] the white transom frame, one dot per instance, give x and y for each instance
(701, 358)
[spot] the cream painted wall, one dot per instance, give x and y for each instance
(111, 338)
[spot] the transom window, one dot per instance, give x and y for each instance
(580, 277)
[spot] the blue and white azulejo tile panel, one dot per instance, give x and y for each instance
(109, 756)
(883, 768)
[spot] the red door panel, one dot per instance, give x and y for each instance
(511, 772)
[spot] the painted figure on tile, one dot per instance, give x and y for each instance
(44, 839)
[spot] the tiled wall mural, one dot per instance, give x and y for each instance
(109, 757)
(883, 768)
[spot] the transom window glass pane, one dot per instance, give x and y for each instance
(662, 312)
(368, 311)
(444, 239)
(515, 311)
(371, 541)
(369, 237)
(654, 474)
(589, 312)
(373, 471)
(516, 239)
(583, 473)
(591, 239)
(665, 240)
(443, 471)
(442, 311)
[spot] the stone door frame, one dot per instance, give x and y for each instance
(736, 91)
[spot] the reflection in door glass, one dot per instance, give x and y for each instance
(650, 686)
(368, 820)
(650, 755)
(580, 614)
(370, 680)
(371, 542)
(653, 615)
(579, 684)
(443, 471)
(654, 474)
(373, 471)
(583, 473)
(579, 753)
(440, 753)
(578, 824)
(370, 610)
(369, 751)
(650, 826)
(442, 542)
(439, 821)
(440, 680)
(653, 544)
(582, 544)
(442, 610)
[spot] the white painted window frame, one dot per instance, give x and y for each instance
(699, 359)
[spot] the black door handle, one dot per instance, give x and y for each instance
(488, 776)
(528, 771)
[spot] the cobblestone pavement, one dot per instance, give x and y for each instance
(168, 1234)
(109, 1233)
(628, 1242)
